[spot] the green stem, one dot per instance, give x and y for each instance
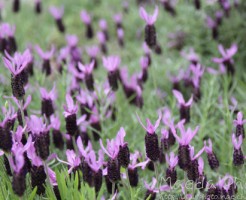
(156, 173)
(113, 188)
(185, 193)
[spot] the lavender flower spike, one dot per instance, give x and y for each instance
(150, 32)
(16, 66)
(212, 158)
(87, 70)
(184, 108)
(171, 173)
(112, 63)
(238, 123)
(86, 18)
(57, 13)
(151, 139)
(124, 153)
(113, 167)
(70, 115)
(151, 191)
(238, 157)
(201, 182)
(48, 98)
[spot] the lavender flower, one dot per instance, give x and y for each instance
(201, 182)
(87, 70)
(57, 13)
(70, 115)
(38, 6)
(112, 63)
(197, 4)
(102, 41)
(104, 27)
(212, 24)
(120, 35)
(16, 6)
(53, 181)
(56, 133)
(92, 52)
(184, 141)
(124, 153)
(171, 174)
(86, 18)
(48, 98)
(150, 32)
(212, 158)
(169, 7)
(113, 167)
(11, 45)
(238, 123)
(16, 66)
(151, 139)
(184, 107)
(198, 72)
(118, 20)
(238, 157)
(46, 56)
(193, 171)
(40, 133)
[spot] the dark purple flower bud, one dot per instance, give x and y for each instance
(16, 6)
(70, 116)
(238, 157)
(197, 4)
(168, 7)
(57, 192)
(57, 13)
(104, 27)
(109, 185)
(171, 174)
(212, 158)
(5, 138)
(150, 32)
(124, 153)
(87, 173)
(158, 49)
(46, 56)
(133, 176)
(38, 6)
(48, 98)
(213, 193)
(19, 184)
(40, 136)
(56, 133)
(238, 123)
(38, 177)
(184, 157)
(151, 139)
(120, 35)
(86, 18)
(184, 107)
(102, 42)
(151, 191)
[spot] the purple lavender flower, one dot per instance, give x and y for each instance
(226, 59)
(193, 171)
(57, 13)
(238, 123)
(16, 6)
(11, 45)
(104, 27)
(147, 52)
(201, 182)
(92, 52)
(238, 157)
(150, 32)
(151, 139)
(197, 4)
(124, 153)
(53, 181)
(219, 16)
(40, 133)
(191, 56)
(169, 6)
(120, 35)
(70, 115)
(56, 133)
(46, 56)
(184, 141)
(113, 167)
(118, 20)
(171, 174)
(212, 24)
(48, 98)
(16, 65)
(38, 175)
(133, 168)
(102, 40)
(87, 69)
(212, 158)
(151, 190)
(86, 18)
(112, 63)
(38, 6)
(184, 107)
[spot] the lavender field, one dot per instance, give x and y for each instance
(122, 99)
